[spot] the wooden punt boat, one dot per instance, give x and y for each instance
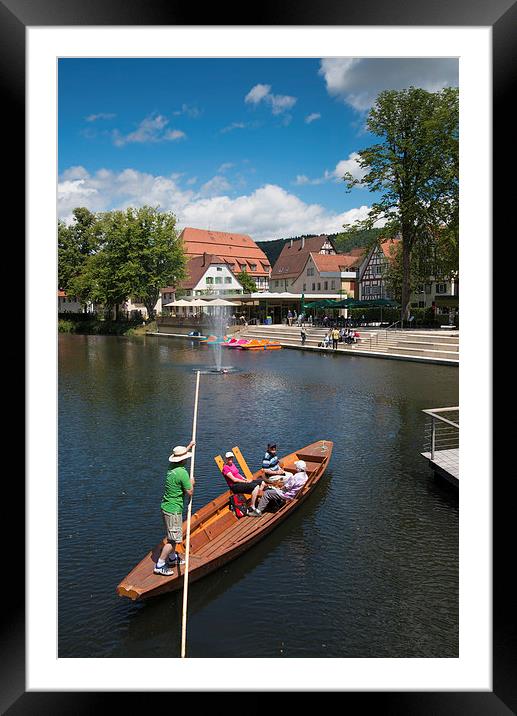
(260, 344)
(217, 535)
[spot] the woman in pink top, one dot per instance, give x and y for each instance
(237, 482)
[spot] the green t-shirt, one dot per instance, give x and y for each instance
(177, 479)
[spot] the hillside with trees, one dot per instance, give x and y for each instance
(344, 242)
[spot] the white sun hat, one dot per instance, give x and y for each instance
(179, 454)
(229, 454)
(300, 465)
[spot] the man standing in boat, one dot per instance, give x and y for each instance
(177, 485)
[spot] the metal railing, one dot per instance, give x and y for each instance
(388, 328)
(442, 433)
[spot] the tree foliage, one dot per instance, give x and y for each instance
(77, 241)
(136, 253)
(415, 169)
(247, 282)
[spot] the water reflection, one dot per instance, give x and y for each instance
(371, 557)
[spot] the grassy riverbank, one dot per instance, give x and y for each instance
(105, 328)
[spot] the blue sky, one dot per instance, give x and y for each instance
(246, 145)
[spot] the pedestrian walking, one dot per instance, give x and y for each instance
(303, 334)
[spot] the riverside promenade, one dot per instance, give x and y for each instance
(423, 346)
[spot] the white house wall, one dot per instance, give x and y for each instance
(218, 271)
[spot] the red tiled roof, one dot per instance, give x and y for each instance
(334, 262)
(358, 251)
(389, 247)
(292, 259)
(239, 248)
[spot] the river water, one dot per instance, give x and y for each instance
(367, 567)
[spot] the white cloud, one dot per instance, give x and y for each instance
(312, 117)
(193, 112)
(358, 81)
(151, 129)
(257, 93)
(224, 167)
(216, 185)
(232, 126)
(349, 165)
(105, 190)
(302, 180)
(174, 134)
(101, 115)
(267, 213)
(345, 165)
(281, 103)
(262, 93)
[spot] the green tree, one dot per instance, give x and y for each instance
(139, 253)
(76, 242)
(246, 281)
(157, 256)
(415, 168)
(353, 238)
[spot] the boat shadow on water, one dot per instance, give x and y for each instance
(147, 617)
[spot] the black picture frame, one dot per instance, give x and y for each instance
(501, 16)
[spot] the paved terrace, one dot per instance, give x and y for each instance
(427, 346)
(424, 346)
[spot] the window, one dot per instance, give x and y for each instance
(304, 287)
(310, 271)
(319, 287)
(219, 268)
(332, 285)
(242, 267)
(253, 267)
(218, 279)
(326, 285)
(276, 283)
(227, 279)
(209, 279)
(313, 286)
(441, 288)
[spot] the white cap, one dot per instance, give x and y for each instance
(229, 454)
(300, 465)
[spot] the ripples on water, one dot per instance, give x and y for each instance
(367, 567)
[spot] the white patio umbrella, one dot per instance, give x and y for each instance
(221, 302)
(179, 302)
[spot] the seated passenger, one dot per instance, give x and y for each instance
(271, 467)
(237, 482)
(278, 496)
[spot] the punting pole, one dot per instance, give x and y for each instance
(187, 537)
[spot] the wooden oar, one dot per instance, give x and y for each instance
(187, 538)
